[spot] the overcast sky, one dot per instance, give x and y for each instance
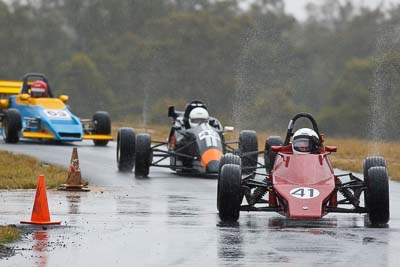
(296, 7)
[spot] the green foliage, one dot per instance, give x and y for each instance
(275, 107)
(254, 67)
(84, 83)
(346, 112)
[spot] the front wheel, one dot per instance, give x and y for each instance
(229, 194)
(144, 155)
(377, 195)
(228, 158)
(248, 147)
(102, 125)
(126, 140)
(369, 162)
(373, 161)
(12, 125)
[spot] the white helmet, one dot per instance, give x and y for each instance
(198, 116)
(305, 141)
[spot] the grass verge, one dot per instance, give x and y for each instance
(352, 152)
(9, 234)
(350, 156)
(158, 133)
(21, 172)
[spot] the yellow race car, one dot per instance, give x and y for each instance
(28, 109)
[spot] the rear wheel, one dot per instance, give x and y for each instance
(226, 159)
(171, 147)
(229, 194)
(126, 140)
(102, 125)
(12, 125)
(172, 162)
(269, 155)
(377, 195)
(144, 155)
(248, 143)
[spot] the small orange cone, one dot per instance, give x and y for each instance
(40, 212)
(74, 180)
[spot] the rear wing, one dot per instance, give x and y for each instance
(10, 87)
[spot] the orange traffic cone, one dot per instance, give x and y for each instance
(40, 212)
(74, 180)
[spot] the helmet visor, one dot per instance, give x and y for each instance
(302, 145)
(198, 120)
(38, 92)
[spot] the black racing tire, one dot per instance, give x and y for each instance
(126, 140)
(269, 155)
(172, 162)
(171, 146)
(102, 125)
(229, 194)
(373, 161)
(377, 195)
(369, 162)
(228, 158)
(248, 143)
(144, 155)
(12, 125)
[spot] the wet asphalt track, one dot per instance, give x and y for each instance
(168, 220)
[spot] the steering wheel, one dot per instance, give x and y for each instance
(289, 133)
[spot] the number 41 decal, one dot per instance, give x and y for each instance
(304, 192)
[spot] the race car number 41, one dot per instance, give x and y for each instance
(304, 192)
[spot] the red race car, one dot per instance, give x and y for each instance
(300, 181)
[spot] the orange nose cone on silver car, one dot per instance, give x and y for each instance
(210, 159)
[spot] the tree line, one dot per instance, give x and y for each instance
(254, 67)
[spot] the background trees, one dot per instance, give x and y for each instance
(254, 67)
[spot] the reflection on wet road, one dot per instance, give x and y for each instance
(40, 247)
(168, 220)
